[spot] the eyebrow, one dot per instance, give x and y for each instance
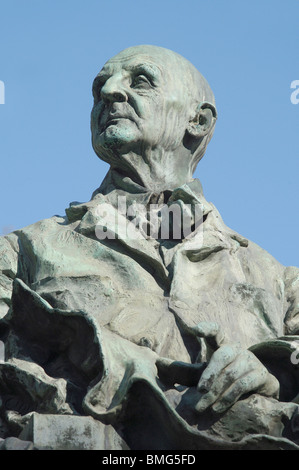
(152, 70)
(146, 68)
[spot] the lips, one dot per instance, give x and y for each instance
(113, 120)
(113, 114)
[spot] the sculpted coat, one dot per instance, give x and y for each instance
(124, 329)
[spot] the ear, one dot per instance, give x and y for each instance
(203, 121)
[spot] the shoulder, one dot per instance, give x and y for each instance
(249, 249)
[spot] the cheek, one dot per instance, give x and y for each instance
(176, 121)
(153, 120)
(94, 117)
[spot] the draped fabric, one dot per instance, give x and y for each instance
(114, 328)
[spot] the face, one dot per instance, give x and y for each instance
(139, 102)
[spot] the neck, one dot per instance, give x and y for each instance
(156, 169)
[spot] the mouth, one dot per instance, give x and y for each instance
(114, 120)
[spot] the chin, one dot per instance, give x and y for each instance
(116, 138)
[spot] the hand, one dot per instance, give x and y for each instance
(231, 373)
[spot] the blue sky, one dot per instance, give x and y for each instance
(50, 52)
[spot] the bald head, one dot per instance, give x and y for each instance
(185, 72)
(151, 101)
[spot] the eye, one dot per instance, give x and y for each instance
(140, 81)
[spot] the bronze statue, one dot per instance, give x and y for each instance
(176, 342)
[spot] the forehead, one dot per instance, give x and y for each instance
(156, 62)
(164, 67)
(133, 64)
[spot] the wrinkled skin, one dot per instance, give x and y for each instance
(144, 108)
(232, 373)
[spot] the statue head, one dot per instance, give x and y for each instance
(153, 116)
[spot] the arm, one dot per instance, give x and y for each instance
(267, 368)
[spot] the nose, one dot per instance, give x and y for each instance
(113, 90)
